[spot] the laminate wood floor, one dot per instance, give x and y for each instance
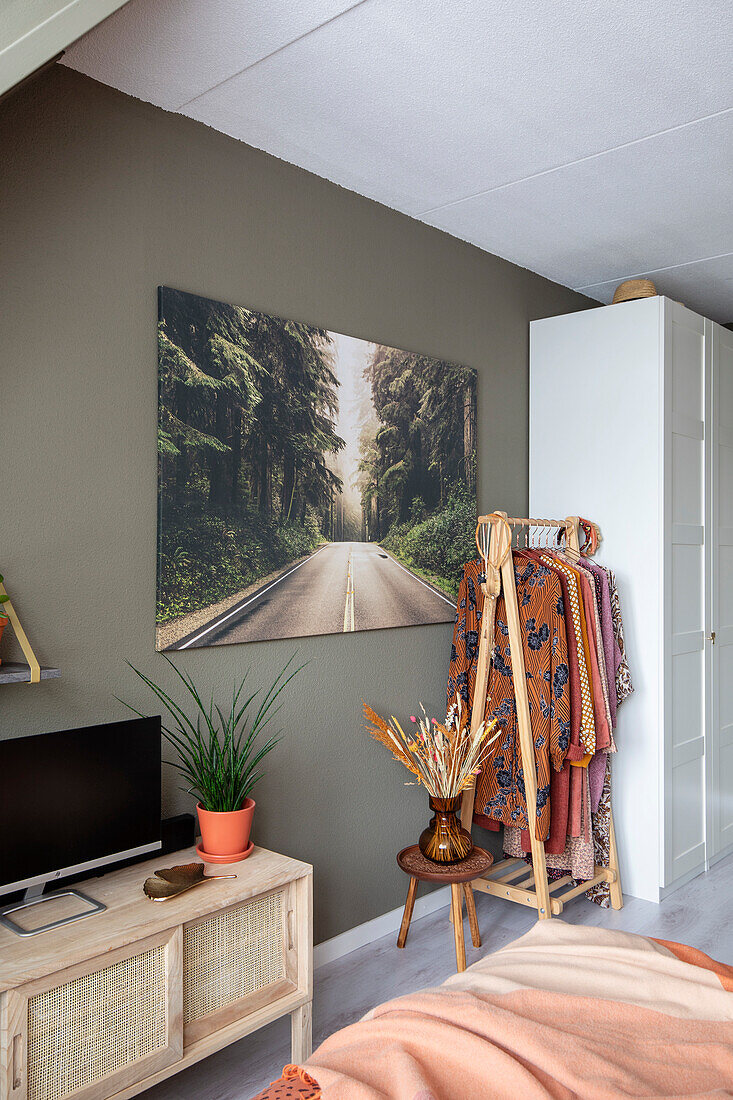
(697, 914)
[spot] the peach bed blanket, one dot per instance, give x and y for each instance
(565, 1011)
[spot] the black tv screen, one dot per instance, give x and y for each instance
(78, 798)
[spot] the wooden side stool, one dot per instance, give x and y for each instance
(459, 876)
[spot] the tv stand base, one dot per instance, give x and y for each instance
(34, 896)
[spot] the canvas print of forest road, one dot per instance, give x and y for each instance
(309, 482)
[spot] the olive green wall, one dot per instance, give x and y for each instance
(102, 198)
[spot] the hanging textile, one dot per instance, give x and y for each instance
(624, 686)
(500, 791)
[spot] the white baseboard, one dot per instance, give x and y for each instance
(374, 929)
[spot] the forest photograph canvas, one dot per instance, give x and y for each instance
(308, 482)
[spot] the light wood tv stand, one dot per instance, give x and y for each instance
(113, 1004)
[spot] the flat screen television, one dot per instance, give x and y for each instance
(78, 800)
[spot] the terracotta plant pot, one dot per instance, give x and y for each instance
(226, 833)
(3, 624)
(445, 840)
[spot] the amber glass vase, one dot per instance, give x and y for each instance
(445, 840)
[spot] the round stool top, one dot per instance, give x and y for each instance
(416, 865)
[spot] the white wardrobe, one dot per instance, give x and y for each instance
(631, 425)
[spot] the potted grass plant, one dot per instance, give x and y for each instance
(220, 754)
(445, 759)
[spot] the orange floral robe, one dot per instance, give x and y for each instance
(500, 792)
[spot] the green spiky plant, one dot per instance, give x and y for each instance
(219, 752)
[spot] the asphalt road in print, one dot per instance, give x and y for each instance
(343, 586)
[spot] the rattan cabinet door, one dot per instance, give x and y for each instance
(237, 960)
(98, 1027)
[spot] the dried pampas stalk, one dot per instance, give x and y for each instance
(445, 757)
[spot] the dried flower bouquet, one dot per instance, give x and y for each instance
(445, 758)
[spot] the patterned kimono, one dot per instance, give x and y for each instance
(500, 792)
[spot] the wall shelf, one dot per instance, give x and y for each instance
(17, 673)
(13, 672)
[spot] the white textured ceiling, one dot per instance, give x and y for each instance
(588, 141)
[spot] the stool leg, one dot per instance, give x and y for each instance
(407, 915)
(457, 906)
(472, 918)
(450, 910)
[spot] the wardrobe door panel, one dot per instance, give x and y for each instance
(687, 835)
(685, 398)
(688, 611)
(721, 764)
(687, 471)
(722, 791)
(687, 689)
(688, 363)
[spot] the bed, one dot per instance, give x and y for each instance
(565, 1011)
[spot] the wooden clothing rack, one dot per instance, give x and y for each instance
(513, 878)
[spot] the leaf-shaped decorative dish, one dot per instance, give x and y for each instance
(171, 882)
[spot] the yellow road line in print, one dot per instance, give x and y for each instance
(349, 605)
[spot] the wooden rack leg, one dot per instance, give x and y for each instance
(472, 918)
(614, 888)
(526, 741)
(468, 799)
(499, 546)
(457, 907)
(407, 915)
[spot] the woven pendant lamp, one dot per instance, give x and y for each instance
(632, 289)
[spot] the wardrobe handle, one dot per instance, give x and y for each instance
(711, 637)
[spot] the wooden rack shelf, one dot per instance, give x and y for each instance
(13, 672)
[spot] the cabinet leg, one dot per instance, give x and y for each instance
(301, 1033)
(457, 908)
(407, 915)
(472, 918)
